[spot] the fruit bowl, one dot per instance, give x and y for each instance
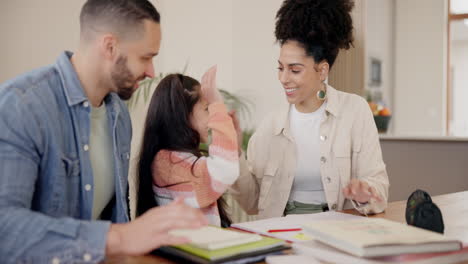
(382, 122)
(382, 116)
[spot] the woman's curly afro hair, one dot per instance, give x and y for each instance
(323, 27)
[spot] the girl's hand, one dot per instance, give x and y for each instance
(360, 191)
(208, 87)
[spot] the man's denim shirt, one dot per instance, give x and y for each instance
(45, 168)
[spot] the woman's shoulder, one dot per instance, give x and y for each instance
(274, 121)
(350, 98)
(349, 103)
(268, 132)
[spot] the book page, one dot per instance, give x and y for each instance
(291, 222)
(210, 237)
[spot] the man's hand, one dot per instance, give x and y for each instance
(151, 230)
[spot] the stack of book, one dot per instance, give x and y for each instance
(376, 237)
(215, 245)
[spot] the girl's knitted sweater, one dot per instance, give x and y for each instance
(200, 180)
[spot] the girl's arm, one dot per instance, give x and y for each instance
(207, 178)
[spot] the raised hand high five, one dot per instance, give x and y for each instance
(208, 86)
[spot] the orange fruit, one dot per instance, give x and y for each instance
(385, 112)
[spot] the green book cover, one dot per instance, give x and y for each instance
(265, 243)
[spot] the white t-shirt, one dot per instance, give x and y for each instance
(305, 128)
(102, 162)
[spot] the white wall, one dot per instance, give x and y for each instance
(33, 33)
(420, 67)
(236, 35)
(380, 44)
(201, 33)
(255, 59)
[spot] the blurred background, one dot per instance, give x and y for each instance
(410, 61)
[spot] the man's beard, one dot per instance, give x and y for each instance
(123, 79)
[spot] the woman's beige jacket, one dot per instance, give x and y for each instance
(349, 148)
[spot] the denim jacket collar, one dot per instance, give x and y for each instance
(73, 90)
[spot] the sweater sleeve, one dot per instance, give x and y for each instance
(202, 180)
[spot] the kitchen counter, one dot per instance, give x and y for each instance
(390, 137)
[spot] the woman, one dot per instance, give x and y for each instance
(321, 152)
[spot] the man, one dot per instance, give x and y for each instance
(65, 143)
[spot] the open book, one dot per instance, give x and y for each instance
(372, 237)
(291, 222)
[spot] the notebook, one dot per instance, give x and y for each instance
(211, 238)
(216, 245)
(374, 237)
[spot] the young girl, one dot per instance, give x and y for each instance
(180, 116)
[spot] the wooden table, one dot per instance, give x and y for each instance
(454, 209)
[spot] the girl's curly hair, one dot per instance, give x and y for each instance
(323, 27)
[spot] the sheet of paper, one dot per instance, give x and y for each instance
(291, 222)
(288, 259)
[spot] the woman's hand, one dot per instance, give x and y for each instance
(235, 120)
(360, 191)
(208, 86)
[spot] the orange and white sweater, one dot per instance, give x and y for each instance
(210, 177)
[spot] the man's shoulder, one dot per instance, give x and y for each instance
(27, 86)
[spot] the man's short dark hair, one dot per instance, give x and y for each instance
(122, 17)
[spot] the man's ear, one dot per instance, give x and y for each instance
(108, 46)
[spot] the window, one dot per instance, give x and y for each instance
(458, 68)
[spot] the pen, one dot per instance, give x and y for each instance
(284, 230)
